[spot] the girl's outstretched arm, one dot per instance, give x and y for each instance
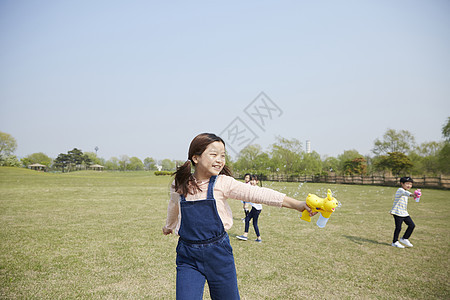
(289, 202)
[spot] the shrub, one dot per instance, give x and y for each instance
(163, 173)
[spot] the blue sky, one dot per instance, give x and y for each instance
(142, 78)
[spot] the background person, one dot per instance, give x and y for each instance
(253, 215)
(400, 213)
(247, 178)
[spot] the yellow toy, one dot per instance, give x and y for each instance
(325, 206)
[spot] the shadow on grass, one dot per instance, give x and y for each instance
(360, 240)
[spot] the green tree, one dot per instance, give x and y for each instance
(73, 160)
(76, 157)
(397, 162)
(86, 161)
(356, 166)
(124, 160)
(444, 153)
(228, 159)
(112, 164)
(345, 158)
(36, 158)
(94, 159)
(369, 163)
(262, 164)
(426, 158)
(63, 161)
(135, 164)
(149, 164)
(286, 155)
(247, 156)
(394, 141)
(8, 144)
(446, 130)
(9, 161)
(444, 159)
(252, 159)
(331, 164)
(429, 149)
(168, 165)
(311, 163)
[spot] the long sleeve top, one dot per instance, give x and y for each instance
(225, 187)
(400, 203)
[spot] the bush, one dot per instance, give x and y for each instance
(163, 173)
(9, 161)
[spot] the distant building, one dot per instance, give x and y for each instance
(38, 167)
(308, 146)
(97, 167)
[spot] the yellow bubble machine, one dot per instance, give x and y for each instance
(325, 206)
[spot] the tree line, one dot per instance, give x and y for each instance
(396, 152)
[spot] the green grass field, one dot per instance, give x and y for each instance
(97, 235)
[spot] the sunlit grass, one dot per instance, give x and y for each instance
(97, 235)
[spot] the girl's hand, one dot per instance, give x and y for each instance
(166, 231)
(289, 202)
(303, 206)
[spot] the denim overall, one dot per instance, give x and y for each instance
(204, 251)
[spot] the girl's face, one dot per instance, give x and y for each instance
(210, 162)
(407, 185)
(247, 178)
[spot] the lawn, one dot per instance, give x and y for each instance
(97, 235)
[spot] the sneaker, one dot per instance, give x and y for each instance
(406, 242)
(241, 237)
(258, 241)
(398, 245)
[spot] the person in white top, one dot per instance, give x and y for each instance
(400, 213)
(253, 214)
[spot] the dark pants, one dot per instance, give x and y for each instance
(398, 227)
(253, 214)
(214, 262)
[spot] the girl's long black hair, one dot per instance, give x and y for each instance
(184, 180)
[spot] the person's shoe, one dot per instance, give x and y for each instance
(258, 241)
(406, 242)
(398, 245)
(241, 237)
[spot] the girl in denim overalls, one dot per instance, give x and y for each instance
(204, 251)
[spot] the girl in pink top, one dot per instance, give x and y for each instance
(199, 213)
